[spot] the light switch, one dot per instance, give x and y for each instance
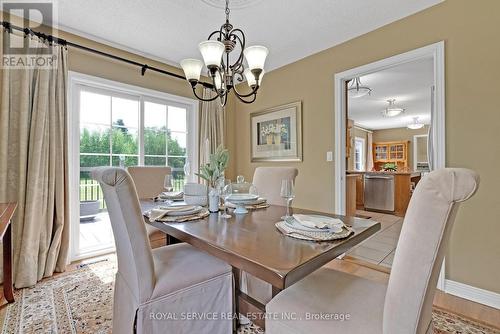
(329, 156)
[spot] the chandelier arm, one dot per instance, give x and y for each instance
(239, 61)
(246, 101)
(253, 92)
(203, 99)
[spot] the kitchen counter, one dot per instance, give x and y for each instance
(402, 188)
(412, 174)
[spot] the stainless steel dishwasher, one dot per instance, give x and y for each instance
(379, 191)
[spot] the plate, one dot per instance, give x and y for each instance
(242, 198)
(193, 211)
(296, 225)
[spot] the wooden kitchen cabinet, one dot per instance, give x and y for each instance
(390, 152)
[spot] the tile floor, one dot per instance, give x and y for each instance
(379, 249)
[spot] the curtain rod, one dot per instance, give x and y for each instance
(52, 39)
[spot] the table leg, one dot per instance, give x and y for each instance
(236, 292)
(7, 265)
(275, 291)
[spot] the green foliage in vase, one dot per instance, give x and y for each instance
(214, 169)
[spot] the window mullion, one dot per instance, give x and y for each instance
(141, 131)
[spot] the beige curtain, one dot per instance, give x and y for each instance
(33, 165)
(369, 151)
(212, 122)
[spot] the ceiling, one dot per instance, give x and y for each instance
(410, 84)
(170, 30)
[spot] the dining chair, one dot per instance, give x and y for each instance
(149, 183)
(405, 304)
(156, 290)
(268, 182)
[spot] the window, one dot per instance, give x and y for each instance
(359, 154)
(117, 129)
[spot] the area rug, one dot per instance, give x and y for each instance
(81, 302)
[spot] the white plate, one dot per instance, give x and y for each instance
(242, 197)
(296, 225)
(193, 211)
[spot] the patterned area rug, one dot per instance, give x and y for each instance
(81, 302)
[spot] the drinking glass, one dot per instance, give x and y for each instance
(287, 192)
(224, 193)
(168, 183)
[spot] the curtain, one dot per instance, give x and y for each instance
(212, 122)
(369, 153)
(33, 163)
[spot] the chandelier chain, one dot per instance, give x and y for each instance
(227, 10)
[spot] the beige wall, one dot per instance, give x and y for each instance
(400, 134)
(470, 31)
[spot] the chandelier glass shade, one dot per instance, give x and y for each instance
(225, 71)
(356, 89)
(415, 125)
(392, 110)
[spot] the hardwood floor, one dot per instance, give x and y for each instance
(466, 308)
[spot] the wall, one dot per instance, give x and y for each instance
(400, 134)
(470, 31)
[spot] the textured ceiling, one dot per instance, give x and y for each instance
(170, 30)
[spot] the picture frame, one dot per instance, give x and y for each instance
(276, 133)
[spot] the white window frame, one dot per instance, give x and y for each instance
(76, 82)
(362, 155)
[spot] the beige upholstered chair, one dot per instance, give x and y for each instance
(149, 181)
(268, 182)
(154, 286)
(403, 306)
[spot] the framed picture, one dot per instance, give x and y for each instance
(277, 133)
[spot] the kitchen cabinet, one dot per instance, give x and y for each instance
(391, 152)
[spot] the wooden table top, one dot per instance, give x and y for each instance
(252, 243)
(6, 212)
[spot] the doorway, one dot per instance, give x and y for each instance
(385, 153)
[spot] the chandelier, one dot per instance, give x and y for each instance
(392, 110)
(225, 75)
(356, 89)
(415, 125)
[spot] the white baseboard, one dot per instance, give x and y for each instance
(474, 294)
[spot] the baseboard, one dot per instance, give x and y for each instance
(474, 294)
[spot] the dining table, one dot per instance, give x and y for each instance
(251, 242)
(7, 211)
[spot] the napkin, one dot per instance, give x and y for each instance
(163, 211)
(318, 222)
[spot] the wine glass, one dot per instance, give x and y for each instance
(287, 192)
(224, 193)
(168, 183)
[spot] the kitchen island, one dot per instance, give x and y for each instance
(395, 196)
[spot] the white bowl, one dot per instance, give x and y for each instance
(196, 200)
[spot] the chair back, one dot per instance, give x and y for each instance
(135, 260)
(268, 182)
(149, 180)
(421, 247)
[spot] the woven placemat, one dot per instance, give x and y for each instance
(182, 219)
(313, 236)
